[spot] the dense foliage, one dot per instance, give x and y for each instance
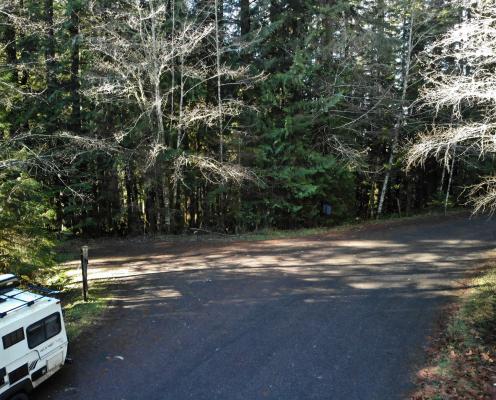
(160, 116)
(26, 221)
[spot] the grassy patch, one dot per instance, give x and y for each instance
(463, 363)
(79, 315)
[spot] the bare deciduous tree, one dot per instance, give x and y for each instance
(141, 45)
(153, 56)
(460, 75)
(404, 78)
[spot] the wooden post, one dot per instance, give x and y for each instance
(84, 270)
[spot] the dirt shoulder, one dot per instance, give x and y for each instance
(462, 354)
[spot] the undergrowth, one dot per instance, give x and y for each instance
(462, 364)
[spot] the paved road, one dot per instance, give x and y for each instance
(343, 316)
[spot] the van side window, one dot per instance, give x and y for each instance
(12, 338)
(43, 330)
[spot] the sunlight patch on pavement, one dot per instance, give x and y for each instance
(298, 258)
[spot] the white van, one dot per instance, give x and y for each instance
(33, 340)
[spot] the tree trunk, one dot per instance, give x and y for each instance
(24, 52)
(448, 189)
(274, 10)
(244, 17)
(132, 202)
(166, 217)
(400, 117)
(151, 210)
(219, 83)
(11, 49)
(75, 123)
(50, 49)
(218, 19)
(11, 59)
(441, 183)
(173, 73)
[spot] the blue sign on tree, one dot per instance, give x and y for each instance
(326, 209)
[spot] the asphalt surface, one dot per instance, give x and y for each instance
(341, 316)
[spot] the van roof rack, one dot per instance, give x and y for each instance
(24, 303)
(43, 290)
(8, 282)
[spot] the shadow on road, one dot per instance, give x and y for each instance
(337, 317)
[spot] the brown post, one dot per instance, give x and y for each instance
(84, 270)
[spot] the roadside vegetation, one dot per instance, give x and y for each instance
(80, 315)
(463, 357)
(27, 242)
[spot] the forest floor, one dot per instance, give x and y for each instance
(343, 315)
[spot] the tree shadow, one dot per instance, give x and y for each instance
(295, 319)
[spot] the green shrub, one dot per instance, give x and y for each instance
(26, 219)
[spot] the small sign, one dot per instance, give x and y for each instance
(326, 209)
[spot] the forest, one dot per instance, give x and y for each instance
(132, 117)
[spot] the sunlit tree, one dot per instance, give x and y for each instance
(460, 76)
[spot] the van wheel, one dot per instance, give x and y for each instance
(20, 396)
